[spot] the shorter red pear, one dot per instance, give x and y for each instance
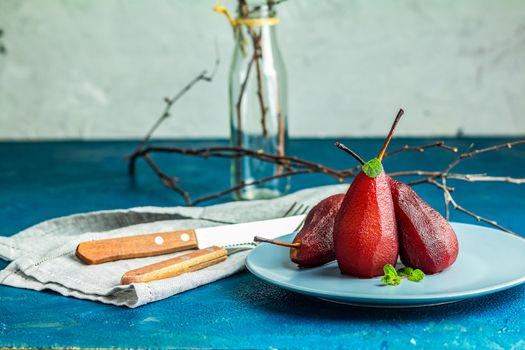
(426, 239)
(315, 239)
(314, 243)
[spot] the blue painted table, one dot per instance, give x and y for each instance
(46, 180)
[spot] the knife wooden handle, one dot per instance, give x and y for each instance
(188, 262)
(101, 251)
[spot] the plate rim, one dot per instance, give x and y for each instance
(398, 299)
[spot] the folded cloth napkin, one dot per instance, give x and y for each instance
(43, 256)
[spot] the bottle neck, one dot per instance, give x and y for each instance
(256, 20)
(255, 32)
(251, 38)
(251, 32)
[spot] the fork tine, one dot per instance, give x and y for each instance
(302, 209)
(305, 209)
(296, 209)
(290, 209)
(299, 209)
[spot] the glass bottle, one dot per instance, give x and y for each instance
(258, 103)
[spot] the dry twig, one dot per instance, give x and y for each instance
(169, 102)
(291, 166)
(298, 166)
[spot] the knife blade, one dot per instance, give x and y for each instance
(152, 244)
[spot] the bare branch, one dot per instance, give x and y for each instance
(476, 178)
(3, 49)
(422, 148)
(232, 152)
(446, 195)
(457, 207)
(167, 180)
(506, 145)
(169, 102)
(248, 184)
(458, 159)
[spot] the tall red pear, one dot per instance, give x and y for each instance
(426, 239)
(365, 231)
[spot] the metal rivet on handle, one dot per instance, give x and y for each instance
(159, 240)
(185, 237)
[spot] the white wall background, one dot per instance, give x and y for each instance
(100, 68)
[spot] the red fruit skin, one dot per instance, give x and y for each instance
(365, 231)
(316, 236)
(426, 239)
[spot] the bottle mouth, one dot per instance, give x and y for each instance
(256, 10)
(251, 16)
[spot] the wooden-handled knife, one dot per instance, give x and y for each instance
(138, 246)
(173, 267)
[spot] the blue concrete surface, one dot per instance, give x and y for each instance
(46, 180)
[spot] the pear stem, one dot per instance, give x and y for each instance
(271, 241)
(390, 134)
(350, 152)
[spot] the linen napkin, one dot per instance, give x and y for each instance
(43, 256)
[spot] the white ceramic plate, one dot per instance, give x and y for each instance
(489, 261)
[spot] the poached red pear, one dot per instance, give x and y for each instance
(426, 239)
(314, 243)
(315, 239)
(365, 231)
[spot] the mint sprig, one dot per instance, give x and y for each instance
(393, 277)
(405, 271)
(373, 168)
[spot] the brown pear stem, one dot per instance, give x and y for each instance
(390, 134)
(271, 241)
(350, 152)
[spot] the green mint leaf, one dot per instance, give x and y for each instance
(389, 270)
(390, 277)
(405, 271)
(391, 280)
(416, 276)
(373, 168)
